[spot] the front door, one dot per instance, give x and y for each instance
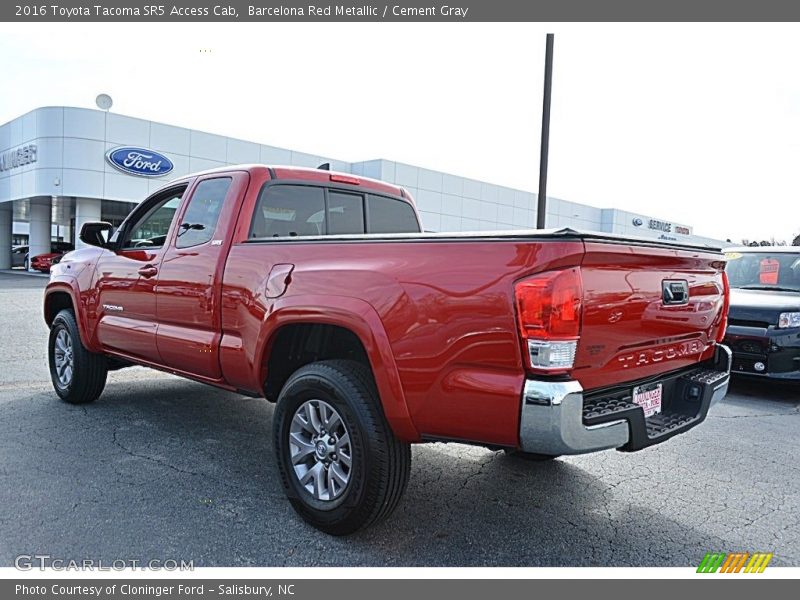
(125, 278)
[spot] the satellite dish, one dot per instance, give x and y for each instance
(103, 101)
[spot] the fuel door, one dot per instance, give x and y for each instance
(279, 279)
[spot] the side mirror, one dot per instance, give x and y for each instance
(96, 233)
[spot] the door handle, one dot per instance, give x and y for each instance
(148, 271)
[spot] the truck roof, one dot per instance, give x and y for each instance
(292, 173)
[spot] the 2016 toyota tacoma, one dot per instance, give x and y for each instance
(317, 291)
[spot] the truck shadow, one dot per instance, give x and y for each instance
(760, 390)
(489, 509)
(170, 469)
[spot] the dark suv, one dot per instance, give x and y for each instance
(764, 318)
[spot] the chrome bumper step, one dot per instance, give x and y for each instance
(558, 418)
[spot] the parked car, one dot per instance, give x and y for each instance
(19, 257)
(764, 318)
(43, 262)
(318, 291)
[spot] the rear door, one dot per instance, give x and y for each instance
(189, 280)
(647, 311)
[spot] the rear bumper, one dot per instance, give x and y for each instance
(765, 352)
(559, 418)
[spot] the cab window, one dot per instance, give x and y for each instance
(387, 215)
(289, 211)
(345, 213)
(151, 228)
(202, 214)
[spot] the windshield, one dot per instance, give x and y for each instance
(764, 270)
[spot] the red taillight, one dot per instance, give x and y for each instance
(338, 177)
(549, 305)
(726, 304)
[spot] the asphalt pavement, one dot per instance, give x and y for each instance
(163, 468)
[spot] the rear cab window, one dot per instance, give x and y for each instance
(301, 210)
(202, 213)
(388, 215)
(345, 213)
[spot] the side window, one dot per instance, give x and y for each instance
(150, 231)
(289, 210)
(202, 214)
(387, 215)
(345, 213)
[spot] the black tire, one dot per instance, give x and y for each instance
(89, 370)
(530, 456)
(380, 462)
(26, 264)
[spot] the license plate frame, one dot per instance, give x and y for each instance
(650, 397)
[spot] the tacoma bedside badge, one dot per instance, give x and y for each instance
(649, 398)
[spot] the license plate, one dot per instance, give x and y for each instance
(649, 398)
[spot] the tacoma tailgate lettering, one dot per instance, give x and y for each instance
(664, 353)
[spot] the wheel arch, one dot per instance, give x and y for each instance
(59, 296)
(347, 325)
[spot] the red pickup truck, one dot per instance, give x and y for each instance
(317, 291)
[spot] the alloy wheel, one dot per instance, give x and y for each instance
(320, 450)
(63, 358)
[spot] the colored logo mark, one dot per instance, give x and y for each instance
(734, 562)
(139, 161)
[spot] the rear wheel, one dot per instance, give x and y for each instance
(341, 466)
(78, 375)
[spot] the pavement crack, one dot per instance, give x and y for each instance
(793, 413)
(152, 459)
(479, 472)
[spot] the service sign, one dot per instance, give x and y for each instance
(667, 227)
(139, 161)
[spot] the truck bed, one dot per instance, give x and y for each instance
(446, 304)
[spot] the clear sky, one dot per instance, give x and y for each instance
(695, 123)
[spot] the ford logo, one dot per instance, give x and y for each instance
(139, 161)
(638, 222)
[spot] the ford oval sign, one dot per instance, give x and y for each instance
(139, 161)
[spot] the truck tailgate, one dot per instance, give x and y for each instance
(636, 322)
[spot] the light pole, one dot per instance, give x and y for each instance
(541, 207)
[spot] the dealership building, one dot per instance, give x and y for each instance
(61, 167)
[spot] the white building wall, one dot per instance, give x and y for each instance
(452, 203)
(72, 143)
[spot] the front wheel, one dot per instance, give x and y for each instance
(341, 466)
(78, 375)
